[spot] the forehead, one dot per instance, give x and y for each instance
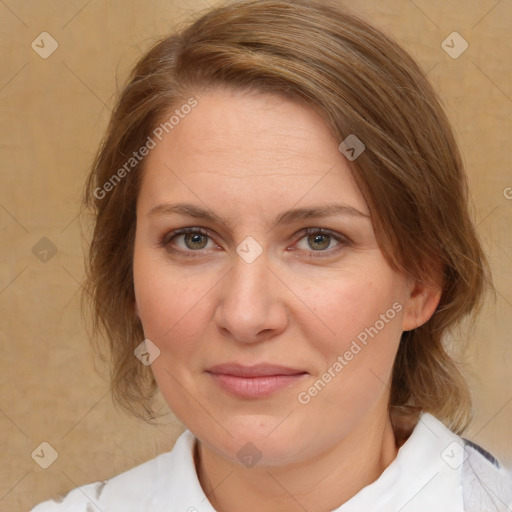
(249, 148)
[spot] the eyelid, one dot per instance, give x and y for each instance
(167, 237)
(323, 231)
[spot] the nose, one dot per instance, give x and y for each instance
(251, 302)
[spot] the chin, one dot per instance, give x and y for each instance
(258, 438)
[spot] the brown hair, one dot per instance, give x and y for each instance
(411, 174)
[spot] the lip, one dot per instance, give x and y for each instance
(257, 381)
(257, 370)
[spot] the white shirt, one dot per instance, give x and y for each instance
(434, 470)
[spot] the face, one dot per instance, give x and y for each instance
(276, 315)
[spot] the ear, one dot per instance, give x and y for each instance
(420, 305)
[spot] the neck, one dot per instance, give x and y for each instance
(317, 485)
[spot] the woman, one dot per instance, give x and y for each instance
(282, 217)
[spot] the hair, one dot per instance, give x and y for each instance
(411, 175)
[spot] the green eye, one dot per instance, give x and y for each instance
(195, 241)
(321, 241)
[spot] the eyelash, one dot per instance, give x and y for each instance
(165, 241)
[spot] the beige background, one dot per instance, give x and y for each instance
(53, 113)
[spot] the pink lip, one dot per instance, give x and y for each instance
(256, 381)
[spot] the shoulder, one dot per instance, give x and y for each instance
(134, 489)
(128, 489)
(81, 499)
(486, 484)
(468, 475)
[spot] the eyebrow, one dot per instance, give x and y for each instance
(287, 217)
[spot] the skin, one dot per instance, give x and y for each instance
(249, 157)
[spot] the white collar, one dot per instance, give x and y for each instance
(424, 476)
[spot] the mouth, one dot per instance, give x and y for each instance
(258, 381)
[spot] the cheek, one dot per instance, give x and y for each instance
(170, 304)
(353, 308)
(173, 313)
(364, 320)
(363, 314)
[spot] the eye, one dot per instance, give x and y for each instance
(317, 240)
(193, 240)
